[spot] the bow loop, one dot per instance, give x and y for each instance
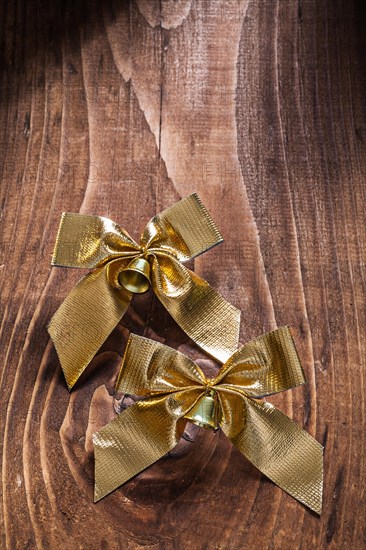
(159, 235)
(148, 368)
(186, 229)
(269, 364)
(90, 241)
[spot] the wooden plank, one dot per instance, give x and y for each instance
(120, 109)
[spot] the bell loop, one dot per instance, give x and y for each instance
(143, 249)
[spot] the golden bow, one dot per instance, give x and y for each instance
(99, 300)
(171, 385)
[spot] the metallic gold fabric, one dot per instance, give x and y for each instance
(171, 384)
(98, 302)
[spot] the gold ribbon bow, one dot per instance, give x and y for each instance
(171, 385)
(99, 300)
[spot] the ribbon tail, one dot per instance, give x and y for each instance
(133, 441)
(280, 449)
(84, 321)
(206, 317)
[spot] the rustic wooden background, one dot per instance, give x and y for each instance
(121, 108)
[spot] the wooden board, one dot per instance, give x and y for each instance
(120, 108)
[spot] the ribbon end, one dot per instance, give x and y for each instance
(102, 492)
(108, 476)
(316, 506)
(70, 382)
(97, 496)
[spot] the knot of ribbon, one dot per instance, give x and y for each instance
(170, 385)
(120, 266)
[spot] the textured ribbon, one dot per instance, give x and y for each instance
(171, 384)
(98, 301)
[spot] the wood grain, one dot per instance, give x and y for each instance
(120, 108)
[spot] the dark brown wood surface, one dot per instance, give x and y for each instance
(121, 108)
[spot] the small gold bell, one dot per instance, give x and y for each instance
(136, 276)
(204, 413)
